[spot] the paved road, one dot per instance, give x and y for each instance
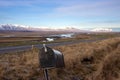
(28, 47)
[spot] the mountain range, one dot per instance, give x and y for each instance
(11, 27)
(15, 27)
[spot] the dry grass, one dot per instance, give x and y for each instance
(19, 66)
(110, 67)
(85, 61)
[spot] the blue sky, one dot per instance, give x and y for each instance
(61, 13)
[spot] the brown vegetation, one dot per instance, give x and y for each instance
(85, 61)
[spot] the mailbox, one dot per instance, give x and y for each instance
(51, 58)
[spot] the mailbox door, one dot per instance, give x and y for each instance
(60, 61)
(47, 59)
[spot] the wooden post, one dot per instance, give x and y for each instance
(32, 47)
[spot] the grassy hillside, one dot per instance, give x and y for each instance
(84, 61)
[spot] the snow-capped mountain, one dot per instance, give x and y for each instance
(102, 30)
(13, 27)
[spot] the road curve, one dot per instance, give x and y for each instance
(28, 47)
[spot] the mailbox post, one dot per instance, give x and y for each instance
(46, 74)
(50, 58)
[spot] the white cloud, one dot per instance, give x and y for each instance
(99, 8)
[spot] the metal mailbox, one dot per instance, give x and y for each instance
(51, 58)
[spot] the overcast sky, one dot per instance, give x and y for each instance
(61, 13)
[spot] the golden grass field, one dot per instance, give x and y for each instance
(98, 60)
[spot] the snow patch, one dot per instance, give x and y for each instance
(102, 30)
